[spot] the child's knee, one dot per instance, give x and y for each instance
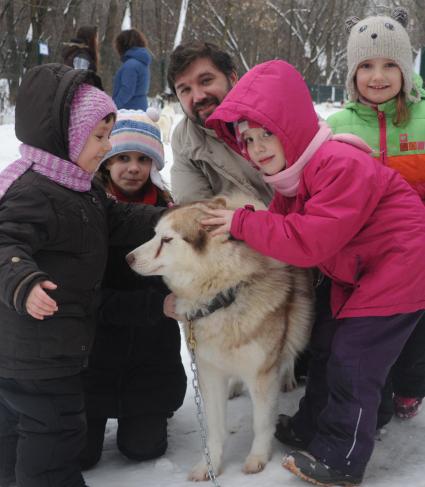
(143, 437)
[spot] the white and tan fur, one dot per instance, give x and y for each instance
(255, 338)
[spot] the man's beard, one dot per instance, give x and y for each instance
(195, 117)
(205, 102)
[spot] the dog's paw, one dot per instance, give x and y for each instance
(254, 463)
(198, 473)
(289, 383)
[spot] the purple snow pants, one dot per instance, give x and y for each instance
(351, 359)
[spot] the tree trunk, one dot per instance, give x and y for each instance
(109, 61)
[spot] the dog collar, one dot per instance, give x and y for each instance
(221, 300)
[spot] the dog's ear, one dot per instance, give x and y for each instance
(218, 202)
(199, 240)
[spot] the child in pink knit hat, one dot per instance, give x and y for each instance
(55, 228)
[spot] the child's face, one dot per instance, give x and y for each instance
(264, 150)
(129, 171)
(378, 80)
(96, 147)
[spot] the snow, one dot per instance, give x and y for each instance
(126, 22)
(182, 22)
(397, 460)
(29, 33)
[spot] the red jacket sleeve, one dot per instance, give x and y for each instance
(343, 193)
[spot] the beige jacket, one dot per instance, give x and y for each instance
(205, 166)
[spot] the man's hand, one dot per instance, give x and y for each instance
(170, 307)
(222, 219)
(39, 304)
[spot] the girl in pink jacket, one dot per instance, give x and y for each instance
(361, 224)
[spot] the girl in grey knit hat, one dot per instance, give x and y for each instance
(387, 109)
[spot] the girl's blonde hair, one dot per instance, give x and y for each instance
(402, 114)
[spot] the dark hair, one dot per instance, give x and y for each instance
(185, 54)
(109, 117)
(88, 34)
(130, 38)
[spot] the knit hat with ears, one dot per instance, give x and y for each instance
(88, 107)
(380, 37)
(136, 130)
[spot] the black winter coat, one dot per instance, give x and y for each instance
(135, 367)
(50, 232)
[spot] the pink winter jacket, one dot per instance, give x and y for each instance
(356, 220)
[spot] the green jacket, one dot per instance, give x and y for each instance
(401, 148)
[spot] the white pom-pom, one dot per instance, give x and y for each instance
(153, 114)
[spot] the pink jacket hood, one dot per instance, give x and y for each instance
(274, 95)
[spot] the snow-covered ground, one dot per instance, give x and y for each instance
(397, 461)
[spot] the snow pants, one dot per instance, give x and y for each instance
(351, 359)
(42, 431)
(407, 376)
(408, 373)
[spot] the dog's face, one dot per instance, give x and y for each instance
(181, 246)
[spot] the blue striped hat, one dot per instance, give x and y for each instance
(136, 130)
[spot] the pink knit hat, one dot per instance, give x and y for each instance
(88, 107)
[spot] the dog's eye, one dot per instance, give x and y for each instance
(166, 239)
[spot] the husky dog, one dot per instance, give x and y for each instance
(251, 315)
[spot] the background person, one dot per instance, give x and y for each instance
(135, 371)
(132, 80)
(82, 52)
(387, 109)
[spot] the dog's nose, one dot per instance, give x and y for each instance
(130, 259)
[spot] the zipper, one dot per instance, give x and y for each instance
(382, 137)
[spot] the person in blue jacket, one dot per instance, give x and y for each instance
(132, 80)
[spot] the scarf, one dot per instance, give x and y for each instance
(286, 181)
(148, 195)
(62, 172)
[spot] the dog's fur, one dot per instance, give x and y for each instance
(255, 338)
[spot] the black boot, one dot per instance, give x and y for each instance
(306, 467)
(286, 435)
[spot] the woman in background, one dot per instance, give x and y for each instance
(132, 80)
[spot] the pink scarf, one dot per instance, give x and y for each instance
(58, 170)
(286, 182)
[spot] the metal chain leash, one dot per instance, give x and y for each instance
(191, 342)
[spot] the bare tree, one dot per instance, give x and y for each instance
(108, 57)
(308, 33)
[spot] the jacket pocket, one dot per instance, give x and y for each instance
(345, 271)
(73, 229)
(68, 334)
